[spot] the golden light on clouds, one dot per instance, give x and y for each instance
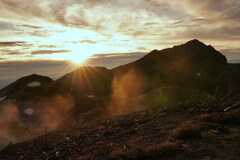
(76, 29)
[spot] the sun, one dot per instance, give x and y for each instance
(78, 58)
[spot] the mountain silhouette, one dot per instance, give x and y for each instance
(26, 87)
(90, 88)
(163, 79)
(88, 81)
(190, 68)
(191, 65)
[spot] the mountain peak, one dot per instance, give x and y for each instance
(196, 44)
(192, 54)
(194, 50)
(23, 83)
(195, 41)
(34, 77)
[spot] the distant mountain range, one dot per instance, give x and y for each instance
(187, 72)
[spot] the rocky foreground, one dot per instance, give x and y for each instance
(176, 133)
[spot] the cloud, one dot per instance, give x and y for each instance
(19, 10)
(141, 48)
(29, 26)
(88, 41)
(232, 54)
(39, 34)
(6, 26)
(231, 51)
(218, 13)
(49, 51)
(12, 44)
(114, 59)
(5, 50)
(151, 23)
(148, 16)
(217, 33)
(85, 41)
(144, 23)
(154, 3)
(127, 54)
(14, 53)
(48, 46)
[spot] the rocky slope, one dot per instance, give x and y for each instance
(180, 133)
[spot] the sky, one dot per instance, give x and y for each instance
(48, 37)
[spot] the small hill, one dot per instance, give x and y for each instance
(29, 86)
(88, 81)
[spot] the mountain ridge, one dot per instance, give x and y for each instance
(23, 82)
(192, 43)
(190, 72)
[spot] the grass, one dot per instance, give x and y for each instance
(142, 152)
(187, 130)
(235, 134)
(198, 129)
(209, 135)
(222, 118)
(218, 128)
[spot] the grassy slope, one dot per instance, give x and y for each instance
(152, 134)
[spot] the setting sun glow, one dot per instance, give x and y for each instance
(78, 58)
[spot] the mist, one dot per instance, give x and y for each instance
(125, 91)
(22, 122)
